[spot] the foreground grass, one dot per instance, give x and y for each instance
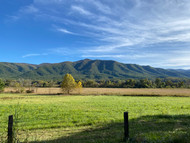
(43, 118)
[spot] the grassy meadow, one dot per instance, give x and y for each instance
(81, 119)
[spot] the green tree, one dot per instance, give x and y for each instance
(130, 83)
(90, 83)
(2, 85)
(169, 83)
(158, 83)
(145, 83)
(68, 83)
(180, 84)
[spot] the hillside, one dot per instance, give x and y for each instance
(86, 69)
(13, 70)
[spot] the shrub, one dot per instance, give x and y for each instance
(29, 91)
(2, 85)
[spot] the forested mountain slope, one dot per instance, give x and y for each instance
(86, 69)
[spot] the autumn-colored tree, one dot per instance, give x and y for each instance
(68, 83)
(79, 86)
(18, 86)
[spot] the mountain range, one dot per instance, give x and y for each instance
(86, 69)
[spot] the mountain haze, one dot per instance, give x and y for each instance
(86, 69)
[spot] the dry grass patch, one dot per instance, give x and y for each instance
(116, 91)
(137, 91)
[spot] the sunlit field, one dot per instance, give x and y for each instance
(116, 91)
(79, 118)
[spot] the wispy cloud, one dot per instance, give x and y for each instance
(65, 51)
(64, 31)
(123, 26)
(34, 55)
(80, 10)
(29, 9)
(103, 56)
(101, 7)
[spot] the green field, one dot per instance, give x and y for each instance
(81, 119)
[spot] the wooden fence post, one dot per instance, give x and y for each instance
(126, 126)
(10, 129)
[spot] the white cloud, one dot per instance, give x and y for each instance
(101, 7)
(34, 55)
(64, 31)
(106, 48)
(103, 56)
(80, 10)
(126, 56)
(122, 25)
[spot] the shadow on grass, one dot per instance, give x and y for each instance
(78, 94)
(155, 95)
(45, 94)
(158, 128)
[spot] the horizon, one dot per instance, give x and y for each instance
(142, 32)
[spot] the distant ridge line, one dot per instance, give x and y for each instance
(86, 69)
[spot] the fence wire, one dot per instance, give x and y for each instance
(26, 125)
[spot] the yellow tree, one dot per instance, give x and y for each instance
(79, 86)
(68, 83)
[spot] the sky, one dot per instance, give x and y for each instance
(144, 32)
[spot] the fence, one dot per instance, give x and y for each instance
(12, 134)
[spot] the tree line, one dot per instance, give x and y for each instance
(21, 84)
(29, 86)
(138, 83)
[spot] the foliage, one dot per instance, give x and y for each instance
(18, 86)
(128, 83)
(135, 83)
(79, 86)
(2, 85)
(29, 91)
(158, 83)
(145, 83)
(68, 83)
(90, 83)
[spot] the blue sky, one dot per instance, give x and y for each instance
(145, 32)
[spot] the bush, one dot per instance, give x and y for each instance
(29, 91)
(2, 85)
